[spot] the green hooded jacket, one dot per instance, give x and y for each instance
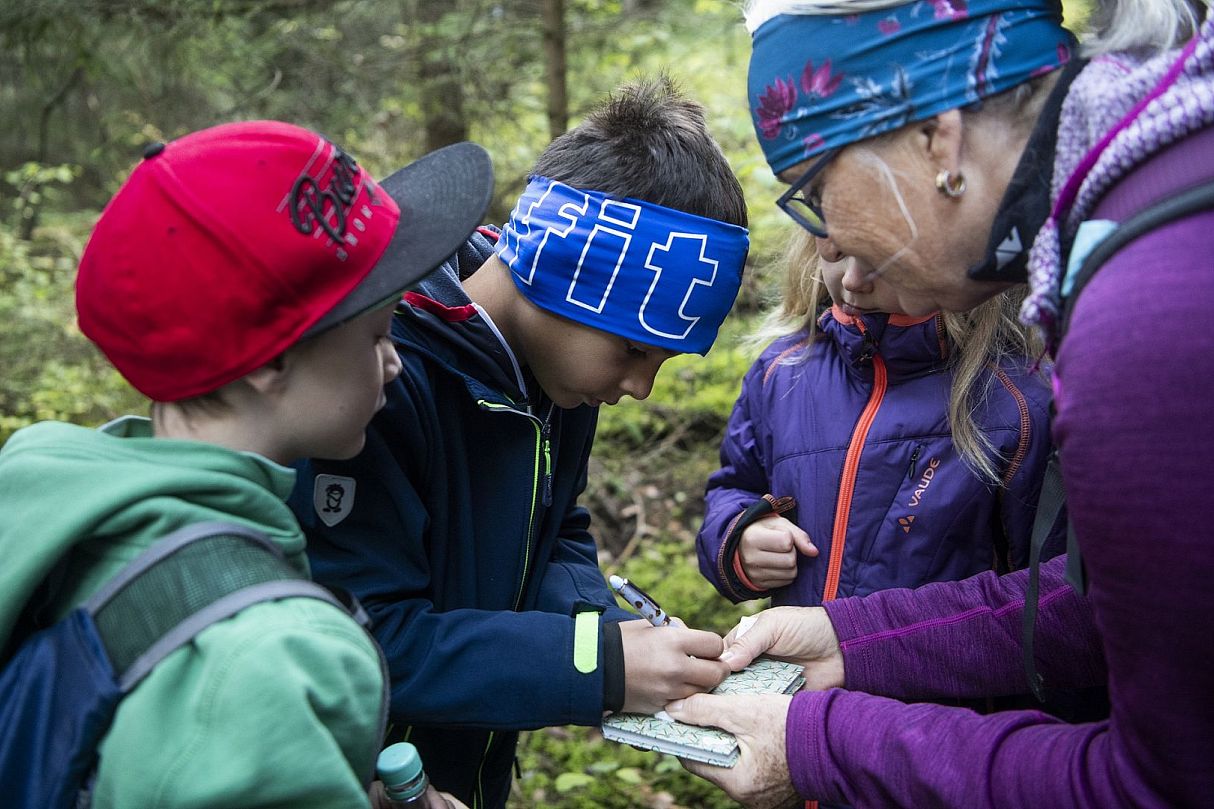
(279, 705)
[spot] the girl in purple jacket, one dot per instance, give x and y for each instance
(870, 450)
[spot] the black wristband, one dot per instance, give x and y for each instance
(753, 513)
(613, 667)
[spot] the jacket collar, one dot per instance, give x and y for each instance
(910, 347)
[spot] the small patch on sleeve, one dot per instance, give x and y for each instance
(586, 642)
(333, 498)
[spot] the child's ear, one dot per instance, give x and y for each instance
(272, 377)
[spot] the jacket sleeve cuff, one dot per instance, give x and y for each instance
(860, 667)
(613, 667)
(805, 743)
(740, 572)
(730, 566)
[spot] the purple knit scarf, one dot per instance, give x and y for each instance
(1119, 111)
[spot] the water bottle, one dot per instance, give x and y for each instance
(400, 768)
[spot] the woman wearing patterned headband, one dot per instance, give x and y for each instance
(936, 146)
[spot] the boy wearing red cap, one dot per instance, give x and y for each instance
(458, 527)
(243, 278)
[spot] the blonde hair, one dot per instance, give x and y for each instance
(978, 340)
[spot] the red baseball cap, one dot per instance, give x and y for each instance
(229, 245)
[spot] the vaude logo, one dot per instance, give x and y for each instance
(929, 474)
(905, 522)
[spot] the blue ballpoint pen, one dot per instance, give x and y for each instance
(637, 597)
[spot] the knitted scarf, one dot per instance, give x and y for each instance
(1134, 107)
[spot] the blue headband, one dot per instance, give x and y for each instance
(821, 81)
(652, 274)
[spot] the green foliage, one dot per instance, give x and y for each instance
(575, 767)
(35, 186)
(50, 371)
(692, 395)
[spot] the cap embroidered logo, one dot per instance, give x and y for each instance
(326, 200)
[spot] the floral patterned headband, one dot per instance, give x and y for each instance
(821, 81)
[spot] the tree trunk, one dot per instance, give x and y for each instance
(442, 94)
(555, 67)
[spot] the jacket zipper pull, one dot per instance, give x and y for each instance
(869, 350)
(545, 434)
(910, 473)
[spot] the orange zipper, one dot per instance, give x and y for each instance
(847, 484)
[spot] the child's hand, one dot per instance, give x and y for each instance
(769, 549)
(663, 663)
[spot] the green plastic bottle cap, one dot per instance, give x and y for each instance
(398, 765)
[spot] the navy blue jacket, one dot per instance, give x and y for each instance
(465, 542)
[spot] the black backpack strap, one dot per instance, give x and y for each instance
(1049, 511)
(1053, 496)
(183, 584)
(1193, 200)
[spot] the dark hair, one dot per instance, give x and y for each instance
(649, 142)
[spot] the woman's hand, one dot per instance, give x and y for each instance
(760, 778)
(769, 549)
(801, 635)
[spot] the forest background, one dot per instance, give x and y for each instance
(86, 84)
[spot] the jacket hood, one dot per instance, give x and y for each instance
(440, 320)
(117, 489)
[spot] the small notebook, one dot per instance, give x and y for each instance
(710, 745)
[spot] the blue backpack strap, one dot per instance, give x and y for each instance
(59, 691)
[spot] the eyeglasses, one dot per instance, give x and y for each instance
(807, 211)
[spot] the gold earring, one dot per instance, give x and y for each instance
(950, 186)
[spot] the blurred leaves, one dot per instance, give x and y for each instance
(48, 370)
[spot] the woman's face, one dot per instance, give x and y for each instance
(906, 246)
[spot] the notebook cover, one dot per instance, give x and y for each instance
(709, 745)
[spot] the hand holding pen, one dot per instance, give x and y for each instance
(666, 665)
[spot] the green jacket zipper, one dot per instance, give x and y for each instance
(542, 486)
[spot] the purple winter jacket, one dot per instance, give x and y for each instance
(858, 435)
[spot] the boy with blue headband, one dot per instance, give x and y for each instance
(459, 527)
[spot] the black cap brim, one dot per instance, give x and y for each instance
(443, 197)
